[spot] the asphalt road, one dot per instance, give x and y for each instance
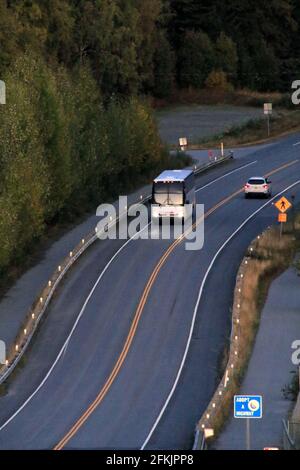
(126, 415)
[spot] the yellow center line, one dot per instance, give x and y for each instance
(138, 314)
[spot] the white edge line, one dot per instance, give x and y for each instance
(197, 306)
(65, 345)
(62, 351)
(224, 176)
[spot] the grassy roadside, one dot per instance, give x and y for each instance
(269, 257)
(255, 131)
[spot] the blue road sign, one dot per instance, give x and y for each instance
(248, 406)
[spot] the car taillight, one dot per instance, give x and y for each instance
(266, 186)
(247, 185)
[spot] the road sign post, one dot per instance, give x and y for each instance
(248, 407)
(248, 438)
(282, 219)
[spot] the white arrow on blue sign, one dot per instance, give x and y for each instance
(248, 406)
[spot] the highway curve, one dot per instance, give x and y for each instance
(120, 381)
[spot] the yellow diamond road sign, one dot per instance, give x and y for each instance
(283, 204)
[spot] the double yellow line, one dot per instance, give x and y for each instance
(138, 314)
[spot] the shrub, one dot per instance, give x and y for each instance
(217, 79)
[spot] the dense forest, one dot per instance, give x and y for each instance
(76, 129)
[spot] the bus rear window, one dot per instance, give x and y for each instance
(168, 193)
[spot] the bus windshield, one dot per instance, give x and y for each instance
(170, 193)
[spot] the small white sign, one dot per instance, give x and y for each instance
(268, 108)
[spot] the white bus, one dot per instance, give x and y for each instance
(172, 189)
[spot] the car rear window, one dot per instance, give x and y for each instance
(256, 181)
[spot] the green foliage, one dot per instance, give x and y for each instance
(164, 67)
(151, 15)
(107, 33)
(226, 55)
(24, 187)
(217, 79)
(134, 149)
(74, 132)
(272, 26)
(119, 39)
(266, 68)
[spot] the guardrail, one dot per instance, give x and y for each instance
(218, 159)
(199, 441)
(36, 312)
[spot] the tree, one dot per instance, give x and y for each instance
(196, 59)
(195, 15)
(107, 34)
(266, 68)
(217, 79)
(59, 18)
(150, 14)
(164, 67)
(32, 28)
(9, 30)
(24, 189)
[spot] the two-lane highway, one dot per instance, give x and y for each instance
(142, 362)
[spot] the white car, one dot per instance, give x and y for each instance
(258, 186)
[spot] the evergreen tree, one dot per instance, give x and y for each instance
(195, 59)
(164, 67)
(226, 56)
